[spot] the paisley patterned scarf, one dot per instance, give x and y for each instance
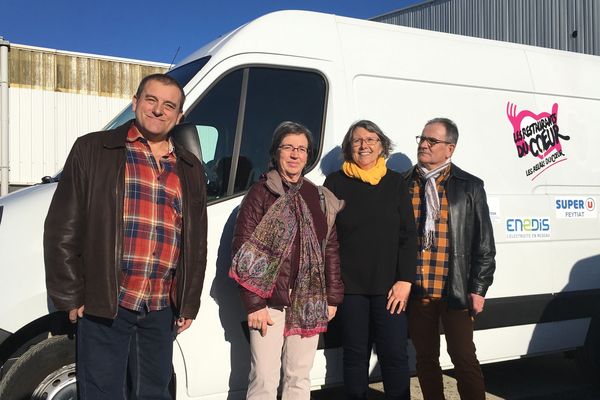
(256, 264)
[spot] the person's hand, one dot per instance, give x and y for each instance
(476, 303)
(76, 313)
(398, 297)
(331, 310)
(259, 320)
(183, 324)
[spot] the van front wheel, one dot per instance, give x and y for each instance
(45, 371)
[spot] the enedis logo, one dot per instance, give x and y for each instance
(528, 228)
(528, 224)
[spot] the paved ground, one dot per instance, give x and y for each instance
(552, 377)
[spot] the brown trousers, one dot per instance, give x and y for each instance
(424, 316)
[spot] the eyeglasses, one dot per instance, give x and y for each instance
(368, 141)
(288, 148)
(430, 141)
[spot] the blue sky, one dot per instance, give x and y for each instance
(152, 30)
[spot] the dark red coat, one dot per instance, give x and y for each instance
(254, 206)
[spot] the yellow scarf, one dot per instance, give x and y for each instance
(371, 176)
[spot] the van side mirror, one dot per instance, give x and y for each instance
(48, 179)
(186, 135)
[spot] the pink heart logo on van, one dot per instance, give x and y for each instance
(533, 133)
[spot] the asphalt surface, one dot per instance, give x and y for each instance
(550, 377)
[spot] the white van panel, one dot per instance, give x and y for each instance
(399, 78)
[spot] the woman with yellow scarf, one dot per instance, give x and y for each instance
(378, 246)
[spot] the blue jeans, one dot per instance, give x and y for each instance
(365, 321)
(142, 341)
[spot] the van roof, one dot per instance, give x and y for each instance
(379, 49)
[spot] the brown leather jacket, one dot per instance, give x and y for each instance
(254, 206)
(83, 233)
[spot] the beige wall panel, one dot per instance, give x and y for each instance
(56, 96)
(44, 125)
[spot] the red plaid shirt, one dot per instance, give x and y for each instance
(432, 263)
(152, 217)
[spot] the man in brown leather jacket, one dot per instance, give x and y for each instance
(125, 246)
(455, 261)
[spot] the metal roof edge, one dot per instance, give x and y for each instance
(421, 3)
(90, 55)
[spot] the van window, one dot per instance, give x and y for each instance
(217, 112)
(208, 140)
(184, 73)
(237, 116)
(274, 96)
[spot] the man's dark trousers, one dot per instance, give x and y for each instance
(105, 347)
(424, 316)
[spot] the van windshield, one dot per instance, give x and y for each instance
(182, 74)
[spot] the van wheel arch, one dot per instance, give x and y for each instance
(52, 332)
(34, 332)
(44, 371)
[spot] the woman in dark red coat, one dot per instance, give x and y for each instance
(286, 262)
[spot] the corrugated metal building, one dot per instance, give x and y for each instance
(56, 96)
(572, 25)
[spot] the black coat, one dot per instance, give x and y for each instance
(376, 231)
(472, 249)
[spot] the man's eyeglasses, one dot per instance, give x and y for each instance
(368, 141)
(430, 141)
(288, 148)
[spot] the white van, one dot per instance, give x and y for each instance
(528, 126)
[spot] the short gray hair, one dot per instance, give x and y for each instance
(451, 128)
(372, 127)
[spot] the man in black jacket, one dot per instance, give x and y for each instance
(125, 246)
(455, 261)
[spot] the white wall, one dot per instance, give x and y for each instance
(44, 124)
